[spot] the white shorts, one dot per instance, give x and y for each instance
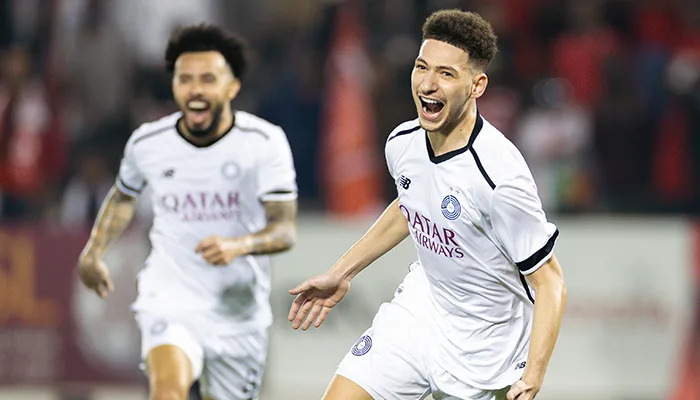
(228, 366)
(392, 359)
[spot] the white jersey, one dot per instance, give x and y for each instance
(200, 191)
(478, 227)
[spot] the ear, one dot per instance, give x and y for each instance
(479, 85)
(234, 88)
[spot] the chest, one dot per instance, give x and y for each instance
(449, 194)
(184, 168)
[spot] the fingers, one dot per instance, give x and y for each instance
(104, 288)
(301, 315)
(296, 304)
(518, 391)
(322, 316)
(301, 287)
(212, 255)
(315, 311)
(205, 244)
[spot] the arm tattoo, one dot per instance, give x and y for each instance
(280, 232)
(115, 214)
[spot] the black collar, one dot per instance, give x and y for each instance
(444, 157)
(201, 145)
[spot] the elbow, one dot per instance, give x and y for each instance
(562, 292)
(289, 237)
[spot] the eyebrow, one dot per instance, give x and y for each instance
(440, 67)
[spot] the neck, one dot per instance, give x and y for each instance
(455, 136)
(224, 125)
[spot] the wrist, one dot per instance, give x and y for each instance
(245, 243)
(91, 253)
(532, 379)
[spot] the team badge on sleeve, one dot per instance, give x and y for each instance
(451, 207)
(362, 346)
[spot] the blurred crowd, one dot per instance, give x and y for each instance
(601, 96)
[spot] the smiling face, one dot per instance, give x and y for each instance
(443, 83)
(203, 87)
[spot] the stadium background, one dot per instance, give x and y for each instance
(601, 96)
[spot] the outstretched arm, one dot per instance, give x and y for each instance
(320, 293)
(278, 235)
(114, 216)
(550, 290)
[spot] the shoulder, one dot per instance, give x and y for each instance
(404, 129)
(153, 129)
(252, 124)
(497, 157)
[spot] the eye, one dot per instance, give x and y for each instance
(420, 66)
(208, 78)
(184, 78)
(447, 74)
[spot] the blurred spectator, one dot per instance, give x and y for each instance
(98, 71)
(555, 136)
(85, 190)
(623, 139)
(29, 139)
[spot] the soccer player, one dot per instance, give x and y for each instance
(224, 197)
(464, 324)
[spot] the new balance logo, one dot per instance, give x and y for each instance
(168, 173)
(404, 182)
(520, 365)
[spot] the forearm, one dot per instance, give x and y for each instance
(274, 238)
(549, 308)
(280, 232)
(388, 231)
(114, 216)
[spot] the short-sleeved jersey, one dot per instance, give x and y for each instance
(478, 227)
(200, 191)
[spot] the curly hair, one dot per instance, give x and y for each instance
(206, 37)
(465, 30)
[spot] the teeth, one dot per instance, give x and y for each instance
(430, 101)
(197, 105)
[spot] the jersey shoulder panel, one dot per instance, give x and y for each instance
(497, 157)
(250, 123)
(152, 129)
(404, 129)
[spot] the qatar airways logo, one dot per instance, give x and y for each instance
(431, 236)
(202, 206)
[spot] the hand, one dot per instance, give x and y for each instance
(221, 251)
(94, 275)
(318, 294)
(522, 391)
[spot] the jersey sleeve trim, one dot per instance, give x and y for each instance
(124, 188)
(532, 263)
(279, 195)
(404, 132)
(527, 288)
(481, 168)
(151, 134)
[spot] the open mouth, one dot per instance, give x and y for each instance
(432, 108)
(198, 110)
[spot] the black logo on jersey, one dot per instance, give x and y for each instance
(169, 173)
(520, 365)
(404, 181)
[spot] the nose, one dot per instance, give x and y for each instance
(429, 83)
(196, 89)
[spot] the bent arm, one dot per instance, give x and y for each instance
(279, 234)
(386, 232)
(550, 289)
(115, 214)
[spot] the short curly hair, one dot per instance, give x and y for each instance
(465, 30)
(205, 37)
